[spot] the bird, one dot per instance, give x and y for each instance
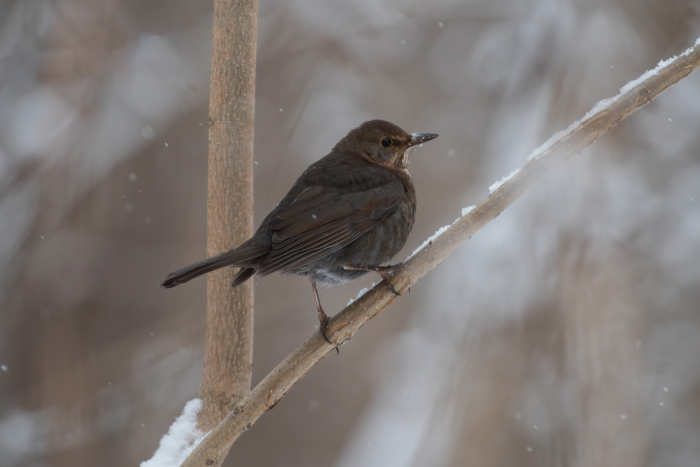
(347, 214)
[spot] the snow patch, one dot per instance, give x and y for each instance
(439, 232)
(467, 210)
(361, 293)
(498, 184)
(183, 436)
(606, 103)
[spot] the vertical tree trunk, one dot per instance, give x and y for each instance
(229, 337)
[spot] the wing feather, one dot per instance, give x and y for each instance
(322, 220)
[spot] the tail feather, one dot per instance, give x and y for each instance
(241, 276)
(236, 257)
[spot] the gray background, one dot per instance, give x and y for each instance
(565, 333)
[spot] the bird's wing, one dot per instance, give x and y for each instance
(322, 220)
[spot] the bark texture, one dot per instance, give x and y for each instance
(228, 354)
(270, 391)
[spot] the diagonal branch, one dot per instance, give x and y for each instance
(343, 326)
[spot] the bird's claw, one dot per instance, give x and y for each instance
(383, 271)
(390, 286)
(322, 326)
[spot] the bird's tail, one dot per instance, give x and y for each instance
(237, 257)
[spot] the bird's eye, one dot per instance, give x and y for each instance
(386, 142)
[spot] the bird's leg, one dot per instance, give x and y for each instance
(382, 271)
(322, 316)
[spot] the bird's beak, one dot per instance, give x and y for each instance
(420, 138)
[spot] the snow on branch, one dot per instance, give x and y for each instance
(183, 436)
(441, 230)
(606, 103)
(556, 151)
(497, 185)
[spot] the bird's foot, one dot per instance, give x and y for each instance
(323, 321)
(383, 271)
(323, 325)
(323, 318)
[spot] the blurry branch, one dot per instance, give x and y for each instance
(343, 326)
(228, 357)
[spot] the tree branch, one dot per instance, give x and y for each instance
(343, 326)
(228, 356)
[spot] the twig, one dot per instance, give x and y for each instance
(343, 326)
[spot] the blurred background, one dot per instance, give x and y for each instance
(565, 333)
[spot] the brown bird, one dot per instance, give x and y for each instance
(347, 214)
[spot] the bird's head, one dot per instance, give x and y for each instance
(384, 143)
